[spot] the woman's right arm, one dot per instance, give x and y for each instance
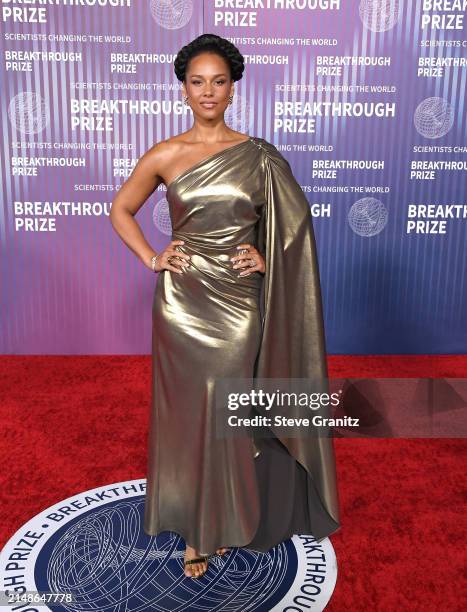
(134, 192)
(142, 182)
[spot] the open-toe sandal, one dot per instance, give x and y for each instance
(197, 560)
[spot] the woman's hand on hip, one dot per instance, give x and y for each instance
(172, 259)
(248, 258)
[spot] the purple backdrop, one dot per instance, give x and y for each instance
(365, 99)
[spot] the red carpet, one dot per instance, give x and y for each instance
(73, 423)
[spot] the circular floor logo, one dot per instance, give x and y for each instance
(92, 550)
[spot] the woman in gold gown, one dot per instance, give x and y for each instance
(237, 296)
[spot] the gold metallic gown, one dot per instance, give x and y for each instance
(210, 323)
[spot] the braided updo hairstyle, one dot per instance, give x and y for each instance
(214, 44)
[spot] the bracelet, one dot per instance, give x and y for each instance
(153, 262)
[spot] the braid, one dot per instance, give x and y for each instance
(212, 43)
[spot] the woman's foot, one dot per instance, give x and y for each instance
(221, 551)
(198, 568)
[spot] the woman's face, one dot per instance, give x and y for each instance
(208, 85)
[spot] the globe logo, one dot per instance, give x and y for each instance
(433, 117)
(161, 217)
(367, 217)
(92, 548)
(238, 115)
(379, 15)
(171, 14)
(28, 112)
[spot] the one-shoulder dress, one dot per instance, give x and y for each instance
(209, 324)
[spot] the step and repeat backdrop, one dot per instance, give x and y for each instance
(364, 98)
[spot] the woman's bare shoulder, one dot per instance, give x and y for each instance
(164, 149)
(162, 154)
